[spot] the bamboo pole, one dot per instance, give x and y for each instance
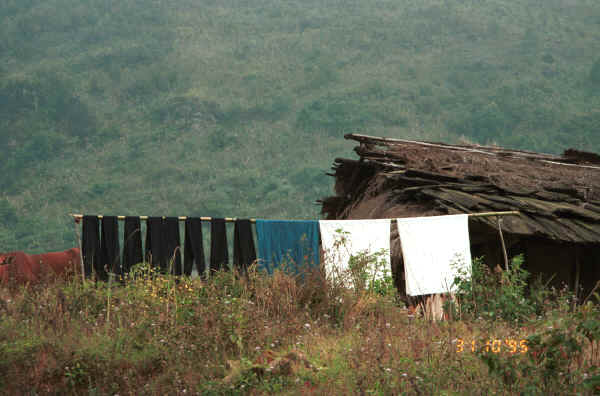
(503, 244)
(490, 214)
(577, 273)
(78, 217)
(80, 251)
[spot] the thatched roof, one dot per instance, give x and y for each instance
(558, 196)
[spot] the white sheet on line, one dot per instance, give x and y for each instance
(363, 235)
(434, 249)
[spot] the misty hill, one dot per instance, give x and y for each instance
(236, 108)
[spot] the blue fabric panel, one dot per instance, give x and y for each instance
(291, 243)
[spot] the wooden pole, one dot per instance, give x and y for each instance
(180, 218)
(80, 250)
(490, 214)
(77, 216)
(577, 272)
(503, 244)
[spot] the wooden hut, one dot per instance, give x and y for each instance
(558, 197)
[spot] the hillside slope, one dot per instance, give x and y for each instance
(237, 108)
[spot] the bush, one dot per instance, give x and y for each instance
(594, 76)
(334, 115)
(8, 215)
(494, 295)
(563, 355)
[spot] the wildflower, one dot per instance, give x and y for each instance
(307, 325)
(388, 369)
(389, 345)
(388, 325)
(257, 348)
(272, 345)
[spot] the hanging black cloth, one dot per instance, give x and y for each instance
(90, 245)
(219, 256)
(172, 244)
(244, 252)
(132, 243)
(109, 245)
(194, 249)
(155, 243)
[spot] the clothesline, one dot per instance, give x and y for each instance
(233, 219)
(180, 218)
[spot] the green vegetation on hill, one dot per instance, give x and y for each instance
(238, 108)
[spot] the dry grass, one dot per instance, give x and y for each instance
(257, 335)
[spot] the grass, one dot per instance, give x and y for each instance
(275, 334)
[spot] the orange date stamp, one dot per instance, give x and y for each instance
(492, 345)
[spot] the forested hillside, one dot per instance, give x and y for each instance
(238, 107)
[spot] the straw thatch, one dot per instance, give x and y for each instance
(558, 196)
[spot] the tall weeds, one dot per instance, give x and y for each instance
(236, 333)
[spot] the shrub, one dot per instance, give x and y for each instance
(563, 355)
(333, 115)
(494, 295)
(594, 76)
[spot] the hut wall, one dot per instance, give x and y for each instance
(548, 259)
(590, 269)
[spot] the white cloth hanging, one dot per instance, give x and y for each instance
(371, 236)
(435, 250)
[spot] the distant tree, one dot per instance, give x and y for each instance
(595, 73)
(8, 215)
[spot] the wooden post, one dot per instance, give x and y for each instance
(80, 249)
(503, 245)
(577, 272)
